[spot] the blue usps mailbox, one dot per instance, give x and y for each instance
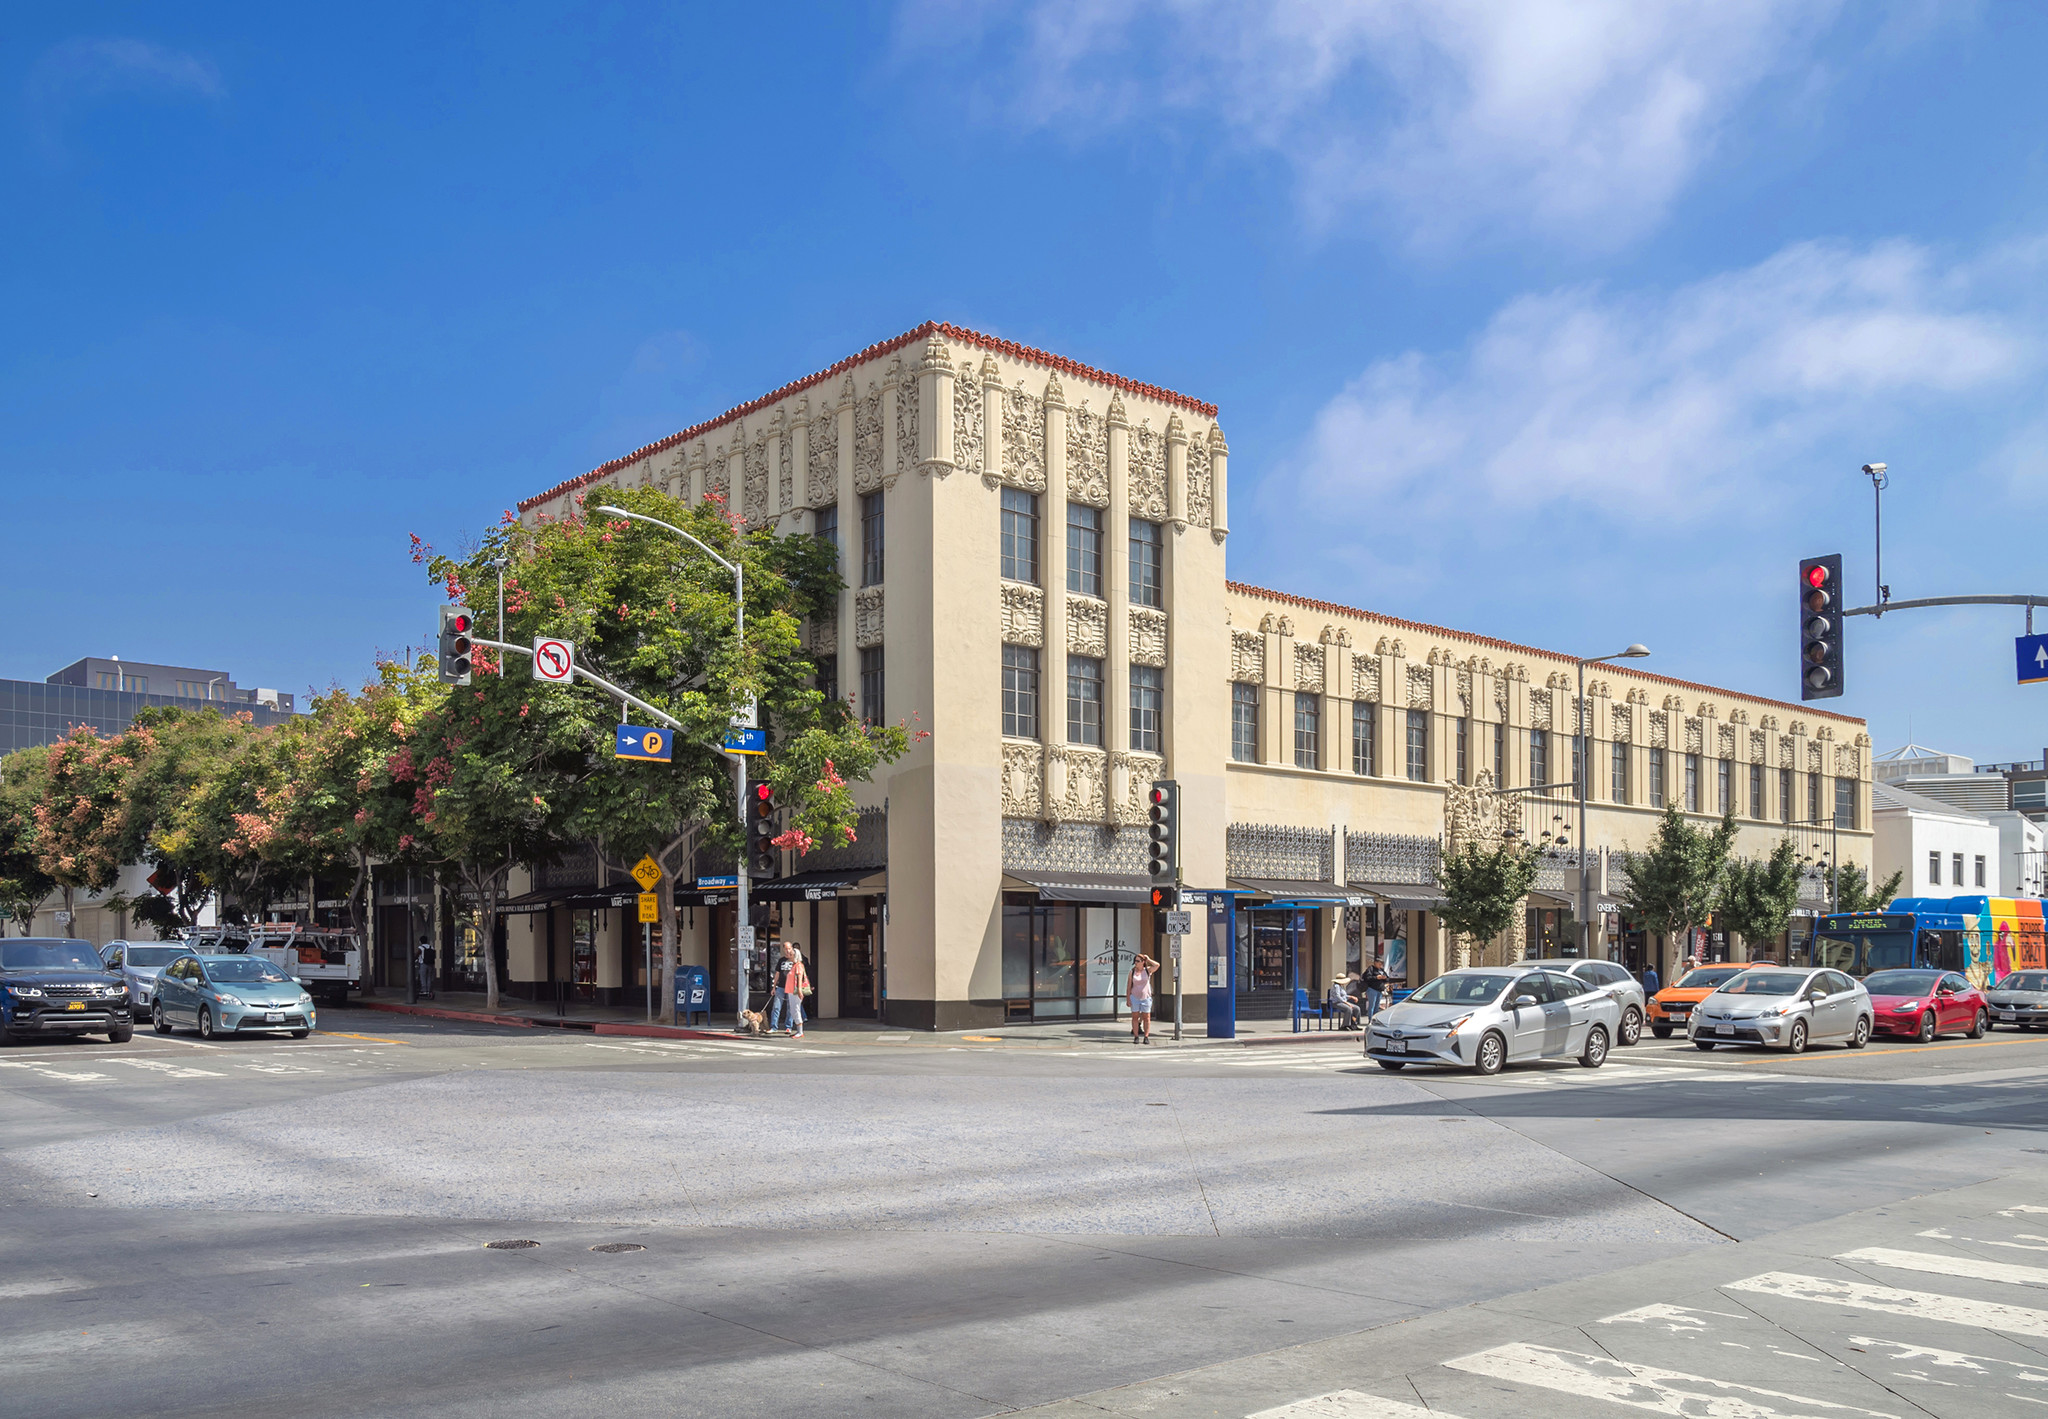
(693, 994)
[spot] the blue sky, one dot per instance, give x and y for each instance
(1568, 323)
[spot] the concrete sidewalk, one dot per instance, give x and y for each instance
(471, 1007)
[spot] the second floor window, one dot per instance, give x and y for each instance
(1418, 745)
(1785, 795)
(1084, 700)
(1148, 551)
(1934, 868)
(1020, 535)
(828, 676)
(1148, 707)
(1020, 691)
(825, 524)
(1084, 549)
(1656, 778)
(1308, 731)
(1845, 802)
(1813, 798)
(1464, 750)
(1726, 802)
(1692, 783)
(871, 539)
(1756, 790)
(1244, 723)
(1500, 756)
(1617, 774)
(1539, 757)
(1364, 720)
(872, 703)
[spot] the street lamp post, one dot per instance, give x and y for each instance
(739, 761)
(1582, 778)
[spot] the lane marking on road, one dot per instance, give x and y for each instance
(1647, 1387)
(1350, 1404)
(1937, 1265)
(50, 1073)
(1977, 1107)
(176, 1071)
(2022, 1241)
(352, 1035)
(1902, 1352)
(1887, 1300)
(1678, 1320)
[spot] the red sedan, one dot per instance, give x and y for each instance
(1923, 1004)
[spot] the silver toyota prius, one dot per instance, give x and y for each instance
(1483, 1017)
(1784, 1007)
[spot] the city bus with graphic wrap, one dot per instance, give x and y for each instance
(1983, 939)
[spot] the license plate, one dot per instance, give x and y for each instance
(274, 1017)
(1724, 1029)
(2005, 1015)
(1397, 1046)
(76, 1005)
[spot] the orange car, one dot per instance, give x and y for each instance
(1671, 1007)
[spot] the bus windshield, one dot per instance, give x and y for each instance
(1858, 953)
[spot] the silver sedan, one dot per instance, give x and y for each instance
(140, 963)
(1608, 978)
(2021, 999)
(1784, 1008)
(1482, 1017)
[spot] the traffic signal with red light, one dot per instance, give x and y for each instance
(1820, 628)
(1162, 833)
(455, 645)
(1165, 899)
(764, 858)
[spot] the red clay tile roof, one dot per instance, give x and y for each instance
(931, 327)
(1334, 609)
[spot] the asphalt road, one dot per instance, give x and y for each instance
(919, 1225)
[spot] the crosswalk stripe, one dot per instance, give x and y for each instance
(1887, 1300)
(1935, 1264)
(1350, 1404)
(1646, 1387)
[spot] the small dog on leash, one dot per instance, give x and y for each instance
(753, 1022)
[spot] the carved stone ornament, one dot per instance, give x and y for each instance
(1759, 746)
(1798, 727)
(967, 421)
(1087, 626)
(1695, 736)
(1824, 733)
(719, 484)
(1539, 709)
(757, 482)
(1201, 483)
(1148, 636)
(1660, 729)
(1023, 440)
(1023, 779)
(1308, 669)
(1284, 625)
(1087, 457)
(1814, 763)
(823, 479)
(1055, 392)
(1726, 745)
(1639, 696)
(1076, 784)
(1845, 761)
(1464, 692)
(1786, 758)
(1131, 774)
(1147, 481)
(786, 492)
(867, 441)
(825, 634)
(1421, 687)
(1769, 722)
(1365, 679)
(867, 617)
(1023, 614)
(908, 418)
(1248, 657)
(1620, 716)
(1674, 704)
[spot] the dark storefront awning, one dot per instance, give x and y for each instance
(618, 895)
(813, 886)
(1130, 890)
(1404, 896)
(1282, 889)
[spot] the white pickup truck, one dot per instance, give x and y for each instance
(326, 962)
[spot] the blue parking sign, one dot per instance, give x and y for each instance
(2032, 653)
(634, 742)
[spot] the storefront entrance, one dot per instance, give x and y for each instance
(1276, 955)
(858, 996)
(1066, 960)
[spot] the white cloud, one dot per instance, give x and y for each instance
(1665, 409)
(80, 71)
(1577, 119)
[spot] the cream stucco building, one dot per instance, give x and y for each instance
(1034, 552)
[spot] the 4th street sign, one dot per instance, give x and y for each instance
(635, 742)
(2032, 654)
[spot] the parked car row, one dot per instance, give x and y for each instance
(55, 986)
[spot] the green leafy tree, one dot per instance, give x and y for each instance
(84, 833)
(24, 885)
(1758, 897)
(1853, 892)
(181, 757)
(1483, 887)
(1674, 884)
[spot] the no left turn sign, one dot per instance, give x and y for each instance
(553, 660)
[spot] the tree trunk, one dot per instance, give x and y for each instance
(487, 907)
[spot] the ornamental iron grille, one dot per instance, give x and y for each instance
(1274, 851)
(1393, 858)
(1033, 846)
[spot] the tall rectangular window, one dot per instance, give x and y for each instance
(1845, 802)
(1955, 870)
(1934, 869)
(1464, 743)
(1418, 745)
(1617, 773)
(1813, 798)
(871, 539)
(872, 703)
(1148, 556)
(1539, 757)
(1020, 535)
(1784, 795)
(1579, 784)
(1756, 790)
(1084, 700)
(1148, 707)
(1020, 691)
(1656, 778)
(1725, 785)
(1692, 783)
(1244, 723)
(1980, 869)
(1500, 756)
(828, 676)
(1084, 549)
(1308, 731)
(825, 524)
(1364, 720)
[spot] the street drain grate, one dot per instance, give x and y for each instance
(614, 1247)
(509, 1246)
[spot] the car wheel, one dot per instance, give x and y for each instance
(1631, 1025)
(1927, 1032)
(1703, 1044)
(1662, 1032)
(160, 1022)
(1393, 1065)
(1595, 1053)
(1861, 1037)
(205, 1023)
(1493, 1053)
(1795, 1043)
(300, 1034)
(121, 1034)
(1979, 1025)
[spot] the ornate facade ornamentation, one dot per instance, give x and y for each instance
(1023, 779)
(1148, 636)
(1365, 679)
(1674, 704)
(757, 482)
(1284, 853)
(1421, 687)
(786, 479)
(1147, 481)
(1087, 626)
(1846, 765)
(1071, 847)
(1201, 483)
(1081, 778)
(1465, 686)
(867, 441)
(1620, 716)
(1023, 440)
(1814, 763)
(1639, 696)
(1130, 775)
(1759, 747)
(1726, 744)
(1660, 729)
(1695, 736)
(867, 617)
(1769, 722)
(718, 483)
(1824, 733)
(908, 431)
(967, 420)
(1539, 709)
(1798, 727)
(1023, 614)
(1308, 669)
(1087, 457)
(1391, 859)
(1248, 657)
(823, 476)
(825, 634)
(1786, 758)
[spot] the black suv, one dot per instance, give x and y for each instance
(53, 986)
